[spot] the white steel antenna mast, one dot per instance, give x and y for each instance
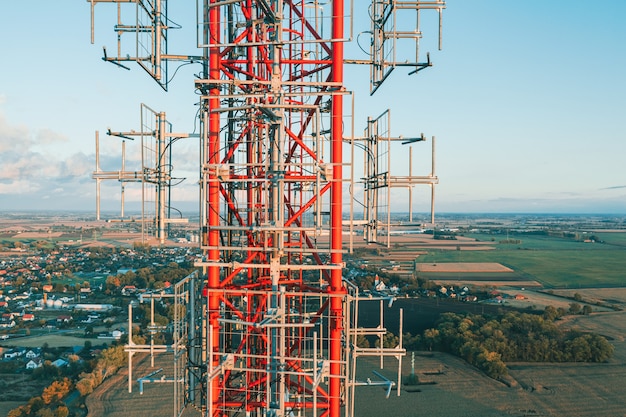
(390, 47)
(154, 173)
(380, 178)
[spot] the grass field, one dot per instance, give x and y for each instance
(612, 238)
(554, 262)
(53, 341)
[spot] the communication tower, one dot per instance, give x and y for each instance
(271, 325)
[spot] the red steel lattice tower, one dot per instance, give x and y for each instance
(272, 112)
(275, 330)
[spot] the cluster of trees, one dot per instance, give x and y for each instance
(51, 402)
(107, 364)
(488, 342)
(148, 277)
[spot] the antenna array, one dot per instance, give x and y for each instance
(154, 173)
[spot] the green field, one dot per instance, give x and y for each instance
(554, 262)
(53, 340)
(612, 238)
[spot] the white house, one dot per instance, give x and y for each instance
(11, 354)
(34, 363)
(32, 354)
(378, 284)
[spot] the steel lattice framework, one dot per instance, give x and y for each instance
(272, 112)
(269, 328)
(154, 172)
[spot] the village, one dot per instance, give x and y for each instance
(70, 290)
(80, 291)
(55, 281)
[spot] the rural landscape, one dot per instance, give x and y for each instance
(313, 208)
(473, 266)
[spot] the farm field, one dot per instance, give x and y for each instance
(553, 262)
(52, 340)
(546, 261)
(454, 389)
(563, 389)
(16, 390)
(112, 399)
(6, 406)
(450, 387)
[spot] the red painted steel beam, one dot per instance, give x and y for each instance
(336, 212)
(213, 204)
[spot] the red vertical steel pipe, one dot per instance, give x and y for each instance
(336, 302)
(213, 206)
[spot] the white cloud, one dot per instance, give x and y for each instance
(49, 137)
(79, 165)
(15, 188)
(28, 173)
(13, 138)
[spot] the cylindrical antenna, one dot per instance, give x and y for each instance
(92, 22)
(410, 186)
(440, 27)
(97, 179)
(123, 170)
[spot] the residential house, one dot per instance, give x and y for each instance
(64, 319)
(34, 363)
(59, 363)
(14, 353)
(32, 353)
(7, 324)
(8, 316)
(129, 289)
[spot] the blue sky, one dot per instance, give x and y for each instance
(527, 101)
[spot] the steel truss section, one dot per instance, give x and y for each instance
(181, 359)
(379, 178)
(396, 29)
(274, 331)
(388, 34)
(150, 27)
(355, 331)
(154, 173)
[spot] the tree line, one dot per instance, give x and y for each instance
(148, 277)
(487, 342)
